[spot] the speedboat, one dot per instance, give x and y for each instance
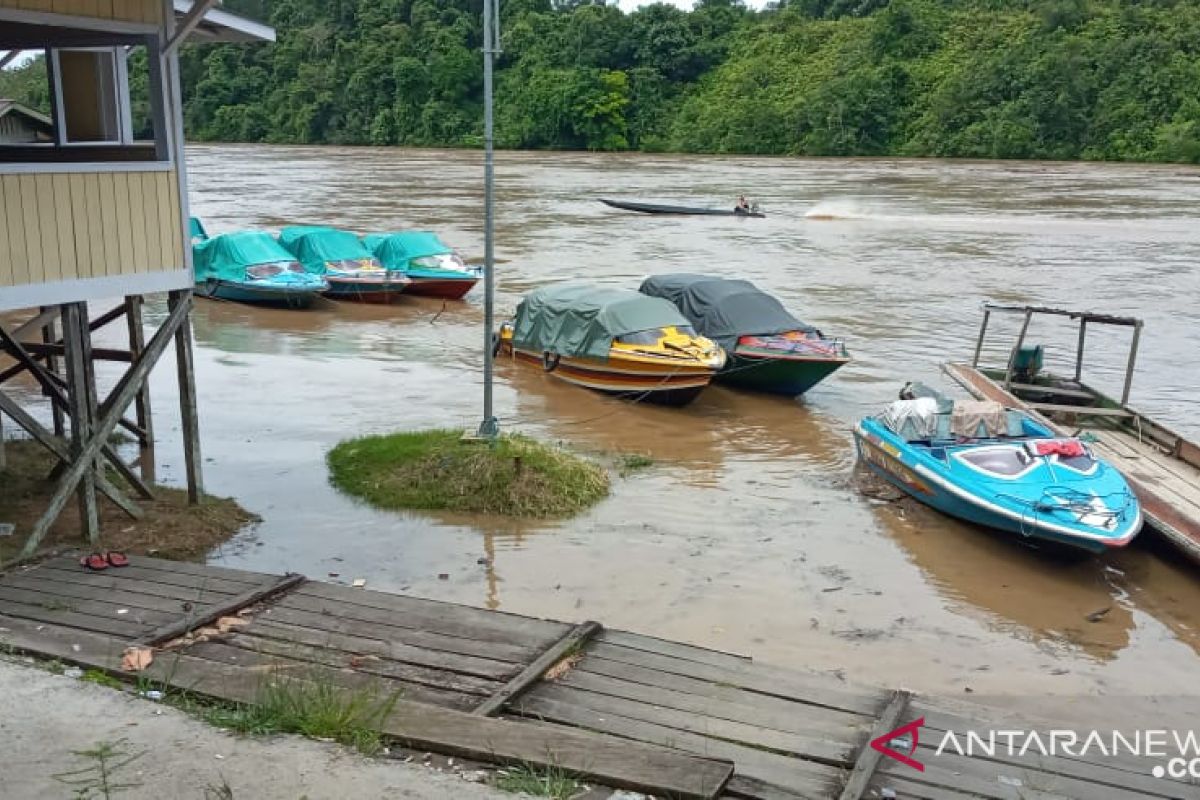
(338, 256)
(1000, 468)
(615, 341)
(433, 267)
(251, 267)
(769, 349)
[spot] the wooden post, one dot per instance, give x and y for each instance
(1133, 351)
(81, 405)
(49, 336)
(3, 454)
(137, 343)
(1012, 357)
(1079, 352)
(979, 344)
(187, 395)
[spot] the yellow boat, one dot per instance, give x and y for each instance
(615, 341)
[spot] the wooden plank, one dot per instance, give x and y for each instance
(7, 255)
(65, 222)
(1033, 387)
(676, 649)
(109, 223)
(521, 683)
(428, 622)
(450, 618)
(868, 757)
(93, 225)
(269, 665)
(706, 690)
(779, 715)
(124, 227)
(607, 760)
(118, 580)
(184, 625)
(48, 255)
(333, 623)
(911, 790)
(817, 780)
(137, 224)
(18, 230)
(28, 200)
(38, 612)
(168, 222)
(754, 677)
(1082, 411)
(814, 748)
(445, 679)
(77, 189)
(178, 230)
(168, 581)
(162, 565)
(395, 651)
(119, 595)
(743, 787)
(152, 222)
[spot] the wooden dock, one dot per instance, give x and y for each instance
(621, 709)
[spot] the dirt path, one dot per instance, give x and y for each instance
(48, 718)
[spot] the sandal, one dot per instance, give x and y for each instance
(116, 559)
(94, 562)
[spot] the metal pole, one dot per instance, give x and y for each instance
(489, 427)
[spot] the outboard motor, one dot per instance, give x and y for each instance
(1027, 362)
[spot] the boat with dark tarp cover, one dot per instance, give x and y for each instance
(612, 340)
(656, 208)
(769, 349)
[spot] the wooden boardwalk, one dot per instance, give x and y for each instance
(623, 709)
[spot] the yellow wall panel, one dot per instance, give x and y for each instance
(125, 10)
(77, 191)
(14, 260)
(65, 223)
(137, 222)
(108, 220)
(95, 225)
(51, 256)
(124, 262)
(6, 253)
(28, 198)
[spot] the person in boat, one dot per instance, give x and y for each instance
(743, 206)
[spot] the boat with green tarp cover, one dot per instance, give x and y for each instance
(612, 340)
(769, 349)
(251, 267)
(343, 260)
(433, 267)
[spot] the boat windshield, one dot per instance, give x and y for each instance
(653, 335)
(1083, 463)
(262, 271)
(998, 460)
(442, 261)
(353, 265)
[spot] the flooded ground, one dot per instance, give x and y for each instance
(747, 533)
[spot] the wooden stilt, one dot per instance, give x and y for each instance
(49, 337)
(190, 427)
(137, 343)
(79, 389)
(3, 454)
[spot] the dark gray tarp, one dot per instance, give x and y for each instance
(578, 319)
(723, 308)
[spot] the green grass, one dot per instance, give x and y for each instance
(538, 781)
(630, 463)
(435, 470)
(101, 678)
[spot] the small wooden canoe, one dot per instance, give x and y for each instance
(652, 208)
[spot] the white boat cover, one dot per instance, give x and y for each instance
(913, 419)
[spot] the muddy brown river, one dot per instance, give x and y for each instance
(748, 532)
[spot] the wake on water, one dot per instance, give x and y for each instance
(828, 210)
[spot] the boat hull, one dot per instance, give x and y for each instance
(378, 291)
(784, 376)
(905, 471)
(653, 208)
(274, 296)
(444, 288)
(668, 384)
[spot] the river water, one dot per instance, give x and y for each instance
(748, 533)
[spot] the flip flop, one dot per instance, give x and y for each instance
(94, 562)
(116, 559)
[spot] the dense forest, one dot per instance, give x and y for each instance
(1067, 79)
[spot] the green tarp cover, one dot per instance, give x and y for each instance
(314, 246)
(395, 250)
(227, 256)
(578, 319)
(723, 309)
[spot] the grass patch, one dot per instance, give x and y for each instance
(435, 470)
(629, 463)
(539, 781)
(315, 708)
(170, 528)
(101, 678)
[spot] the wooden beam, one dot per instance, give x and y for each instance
(190, 427)
(184, 626)
(48, 336)
(1083, 411)
(110, 414)
(39, 350)
(79, 398)
(137, 343)
(44, 317)
(868, 757)
(572, 641)
(188, 24)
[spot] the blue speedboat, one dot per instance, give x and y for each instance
(999, 468)
(251, 267)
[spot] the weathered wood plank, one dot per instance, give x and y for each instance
(189, 622)
(411, 612)
(204, 570)
(815, 748)
(371, 665)
(754, 677)
(118, 580)
(268, 666)
(665, 647)
(911, 790)
(817, 780)
(572, 641)
(607, 760)
(1082, 411)
(68, 618)
(743, 787)
(263, 627)
(332, 623)
(779, 715)
(187, 585)
(71, 591)
(868, 757)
